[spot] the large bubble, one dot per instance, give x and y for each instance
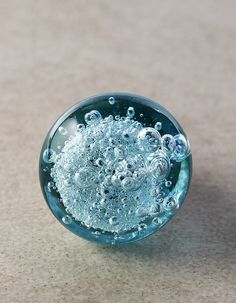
(149, 139)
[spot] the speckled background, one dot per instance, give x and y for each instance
(179, 53)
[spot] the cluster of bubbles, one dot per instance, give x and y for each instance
(112, 173)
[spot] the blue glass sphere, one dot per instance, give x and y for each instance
(115, 168)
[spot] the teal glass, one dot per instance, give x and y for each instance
(115, 168)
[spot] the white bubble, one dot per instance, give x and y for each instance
(49, 155)
(168, 183)
(157, 221)
(84, 177)
(130, 184)
(66, 183)
(116, 180)
(168, 143)
(112, 100)
(170, 203)
(130, 112)
(97, 233)
(142, 227)
(80, 127)
(158, 126)
(93, 117)
(50, 186)
(182, 149)
(99, 162)
(149, 139)
(155, 210)
(113, 220)
(62, 131)
(160, 166)
(141, 212)
(66, 220)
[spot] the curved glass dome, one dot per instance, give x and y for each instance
(115, 168)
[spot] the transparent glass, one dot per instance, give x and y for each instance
(115, 168)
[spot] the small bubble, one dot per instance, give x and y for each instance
(66, 219)
(130, 112)
(158, 126)
(160, 166)
(113, 220)
(95, 204)
(168, 143)
(66, 183)
(116, 237)
(157, 221)
(80, 127)
(141, 115)
(85, 177)
(149, 139)
(168, 183)
(182, 149)
(97, 233)
(62, 131)
(49, 155)
(93, 117)
(112, 100)
(142, 227)
(117, 117)
(170, 203)
(156, 209)
(50, 186)
(141, 212)
(130, 184)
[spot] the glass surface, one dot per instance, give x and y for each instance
(115, 168)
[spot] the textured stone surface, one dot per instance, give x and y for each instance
(182, 55)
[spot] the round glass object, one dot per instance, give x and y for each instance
(115, 168)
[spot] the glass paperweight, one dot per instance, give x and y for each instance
(115, 168)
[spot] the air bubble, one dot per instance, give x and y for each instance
(66, 220)
(84, 177)
(158, 126)
(149, 139)
(155, 210)
(168, 183)
(168, 143)
(157, 221)
(130, 112)
(49, 155)
(182, 149)
(141, 212)
(80, 127)
(112, 100)
(142, 227)
(50, 186)
(170, 203)
(160, 166)
(93, 117)
(130, 184)
(113, 220)
(97, 233)
(62, 131)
